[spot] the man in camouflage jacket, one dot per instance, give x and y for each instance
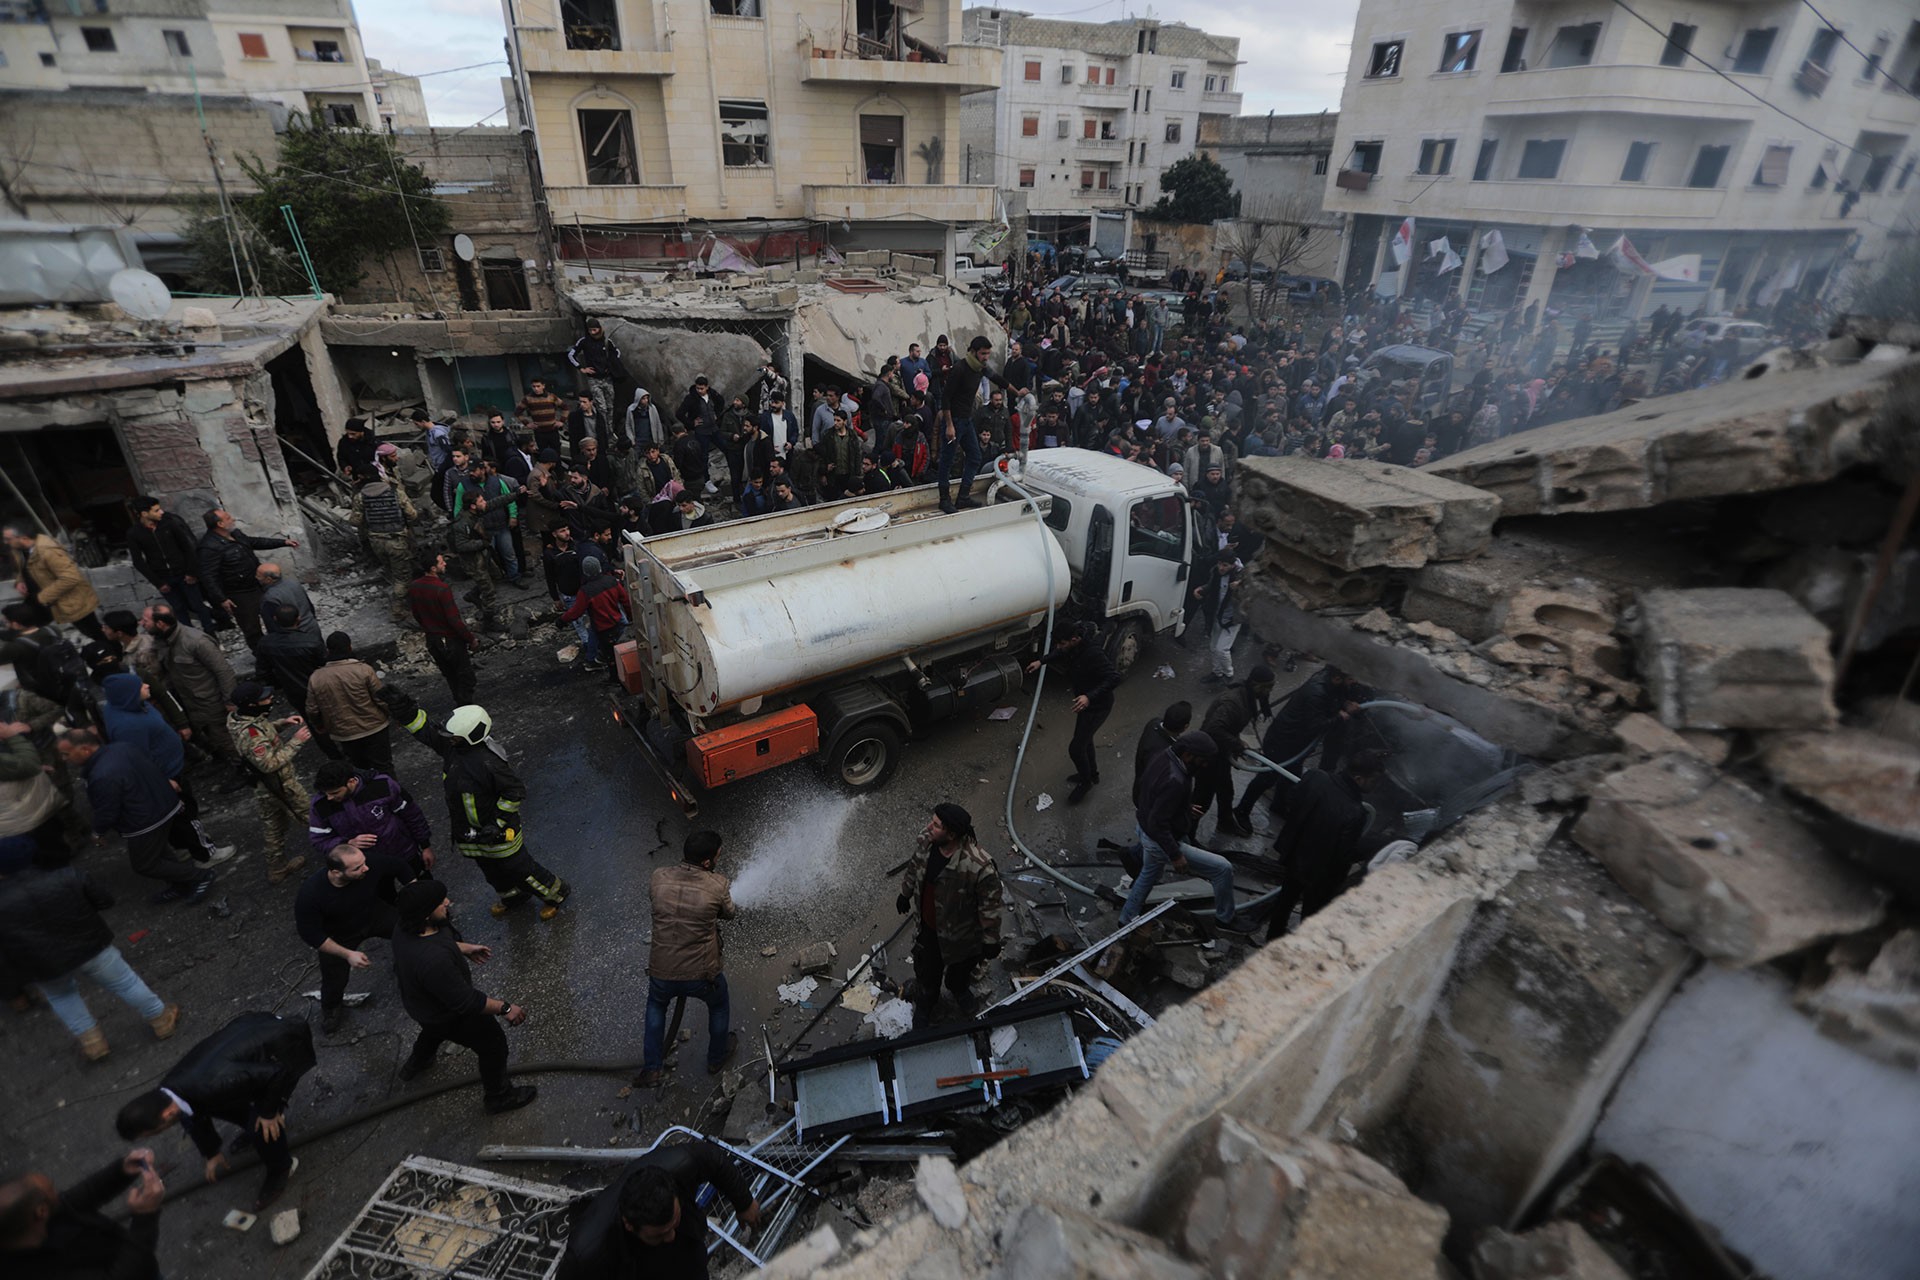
(276, 788)
(955, 888)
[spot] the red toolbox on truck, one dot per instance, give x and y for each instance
(753, 746)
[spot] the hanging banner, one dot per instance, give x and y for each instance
(1684, 267)
(1439, 248)
(1625, 259)
(1493, 252)
(1403, 243)
(1449, 260)
(1583, 248)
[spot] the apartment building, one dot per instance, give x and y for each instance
(1088, 115)
(305, 55)
(1717, 153)
(782, 126)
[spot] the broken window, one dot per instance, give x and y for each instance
(590, 24)
(1574, 46)
(1773, 167)
(1483, 163)
(99, 39)
(1385, 60)
(342, 115)
(745, 133)
(506, 282)
(1707, 165)
(1173, 131)
(1540, 158)
(607, 139)
(880, 146)
(1635, 169)
(432, 260)
(1679, 43)
(1823, 171)
(1755, 45)
(1820, 52)
(177, 46)
(1515, 59)
(327, 51)
(1365, 157)
(737, 8)
(1436, 156)
(1459, 51)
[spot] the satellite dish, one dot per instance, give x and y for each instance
(141, 294)
(463, 248)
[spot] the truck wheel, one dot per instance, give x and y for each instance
(865, 756)
(1128, 642)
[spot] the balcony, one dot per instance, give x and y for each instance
(545, 50)
(1107, 149)
(1616, 204)
(1102, 196)
(968, 67)
(1692, 92)
(603, 204)
(1222, 102)
(1106, 94)
(876, 201)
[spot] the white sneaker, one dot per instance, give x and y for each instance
(711, 489)
(221, 853)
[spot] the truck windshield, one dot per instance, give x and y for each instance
(1158, 527)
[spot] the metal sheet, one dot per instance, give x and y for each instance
(1048, 1048)
(916, 1067)
(839, 1098)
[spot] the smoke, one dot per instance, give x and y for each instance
(798, 855)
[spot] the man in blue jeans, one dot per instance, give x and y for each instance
(955, 421)
(1166, 813)
(689, 902)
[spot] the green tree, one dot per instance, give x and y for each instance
(355, 198)
(1197, 190)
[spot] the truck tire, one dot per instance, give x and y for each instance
(865, 756)
(1128, 642)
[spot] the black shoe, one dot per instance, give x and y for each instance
(1212, 677)
(414, 1067)
(1243, 818)
(172, 893)
(201, 888)
(1230, 826)
(1079, 793)
(946, 505)
(966, 504)
(274, 1187)
(1075, 777)
(331, 1020)
(733, 1047)
(512, 1100)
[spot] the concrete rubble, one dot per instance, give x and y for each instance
(1869, 997)
(1732, 658)
(1870, 780)
(1053, 1242)
(1358, 514)
(1556, 1251)
(1737, 877)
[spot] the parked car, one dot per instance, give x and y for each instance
(1311, 289)
(1405, 362)
(1753, 336)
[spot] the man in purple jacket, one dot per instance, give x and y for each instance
(370, 811)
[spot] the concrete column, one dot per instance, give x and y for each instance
(1546, 266)
(1469, 262)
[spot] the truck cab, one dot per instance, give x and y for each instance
(1128, 536)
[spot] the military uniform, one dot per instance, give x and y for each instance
(471, 545)
(383, 511)
(276, 789)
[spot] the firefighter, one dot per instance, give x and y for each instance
(483, 803)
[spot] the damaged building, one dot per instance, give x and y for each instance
(1655, 1011)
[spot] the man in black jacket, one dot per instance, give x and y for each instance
(953, 426)
(648, 1220)
(287, 658)
(1165, 815)
(244, 1074)
(132, 796)
(436, 988)
(1159, 734)
(1327, 699)
(699, 412)
(1091, 676)
(228, 569)
(164, 554)
(52, 932)
(1321, 840)
(1227, 717)
(48, 1234)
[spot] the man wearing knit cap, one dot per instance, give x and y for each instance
(953, 885)
(1166, 813)
(430, 964)
(603, 602)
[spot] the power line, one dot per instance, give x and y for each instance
(245, 90)
(1654, 27)
(1873, 63)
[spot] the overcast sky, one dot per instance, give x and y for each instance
(1294, 55)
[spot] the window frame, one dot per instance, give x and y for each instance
(1484, 158)
(1066, 73)
(1782, 152)
(1378, 148)
(1376, 59)
(1062, 128)
(258, 41)
(1030, 74)
(1586, 60)
(1830, 37)
(1025, 178)
(1440, 149)
(1700, 157)
(587, 149)
(1520, 173)
(1177, 78)
(176, 43)
(99, 40)
(1173, 131)
(1029, 125)
(1514, 57)
(1474, 38)
(765, 146)
(1644, 149)
(1678, 48)
(1772, 35)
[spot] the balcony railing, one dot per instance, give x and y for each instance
(873, 201)
(631, 55)
(640, 203)
(968, 67)
(1629, 204)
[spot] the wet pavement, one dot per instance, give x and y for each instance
(809, 865)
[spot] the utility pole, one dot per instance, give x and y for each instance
(236, 243)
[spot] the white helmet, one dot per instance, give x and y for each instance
(470, 724)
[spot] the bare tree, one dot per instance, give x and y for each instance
(1276, 232)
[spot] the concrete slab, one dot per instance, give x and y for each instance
(1055, 1242)
(1559, 977)
(1357, 514)
(1873, 1006)
(1863, 777)
(1733, 874)
(1746, 436)
(1556, 1251)
(1735, 658)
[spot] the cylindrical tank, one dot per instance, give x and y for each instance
(765, 636)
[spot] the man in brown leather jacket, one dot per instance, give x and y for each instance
(689, 902)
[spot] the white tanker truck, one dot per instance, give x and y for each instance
(839, 630)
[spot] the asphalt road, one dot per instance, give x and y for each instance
(809, 865)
